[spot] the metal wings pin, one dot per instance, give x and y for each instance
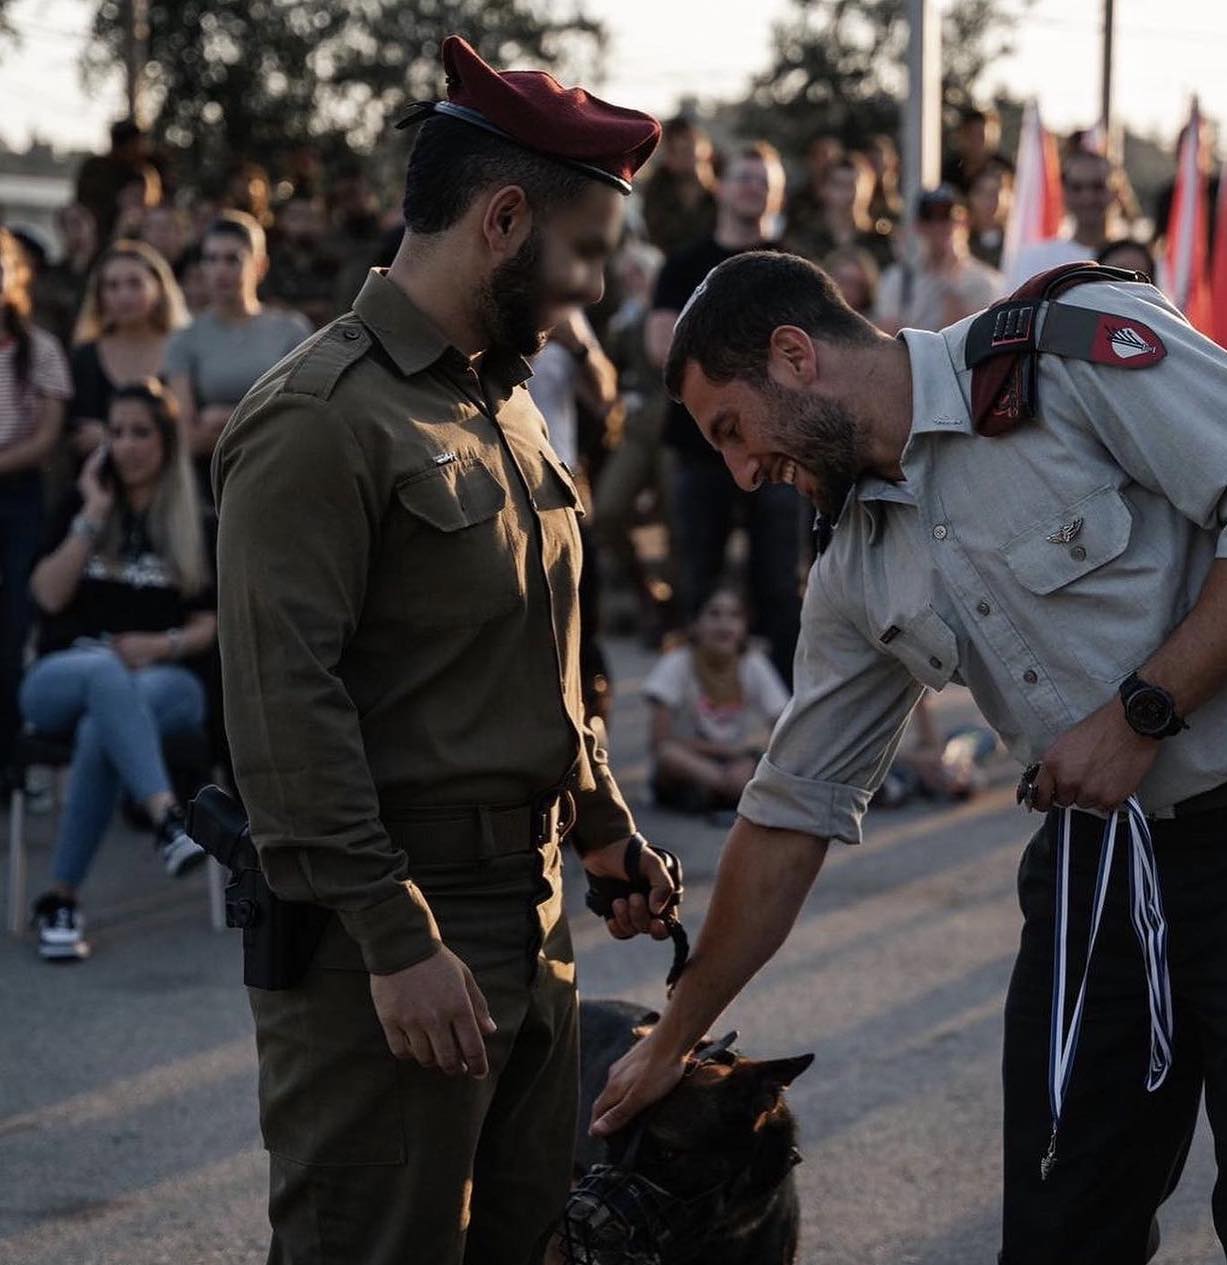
(1065, 533)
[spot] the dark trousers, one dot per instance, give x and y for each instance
(377, 1161)
(1120, 1150)
(706, 504)
(21, 530)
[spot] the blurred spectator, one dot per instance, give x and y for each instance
(102, 176)
(635, 464)
(34, 387)
(355, 231)
(1208, 165)
(1127, 253)
(132, 306)
(841, 217)
(1089, 184)
(127, 597)
(886, 204)
(61, 285)
(168, 230)
(678, 203)
(193, 280)
(944, 283)
(247, 189)
(988, 209)
(572, 367)
(212, 363)
(302, 271)
(141, 191)
(805, 203)
(973, 147)
(714, 703)
(855, 272)
(705, 501)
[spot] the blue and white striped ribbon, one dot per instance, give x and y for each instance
(1146, 913)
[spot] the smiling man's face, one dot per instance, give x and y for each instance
(772, 433)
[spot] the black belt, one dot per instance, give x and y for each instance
(463, 834)
(1213, 800)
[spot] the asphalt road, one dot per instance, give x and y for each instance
(127, 1084)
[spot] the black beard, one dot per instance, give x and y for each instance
(511, 304)
(819, 434)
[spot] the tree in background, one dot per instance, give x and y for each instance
(258, 79)
(840, 66)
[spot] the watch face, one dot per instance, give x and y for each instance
(1150, 711)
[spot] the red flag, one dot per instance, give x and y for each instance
(1038, 208)
(1218, 266)
(1187, 278)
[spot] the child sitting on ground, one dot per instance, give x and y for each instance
(714, 703)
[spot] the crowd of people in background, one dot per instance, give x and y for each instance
(126, 345)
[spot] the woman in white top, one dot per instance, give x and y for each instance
(714, 704)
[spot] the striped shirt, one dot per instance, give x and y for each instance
(48, 377)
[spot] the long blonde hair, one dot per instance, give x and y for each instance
(175, 515)
(169, 314)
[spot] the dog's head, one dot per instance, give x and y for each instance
(705, 1157)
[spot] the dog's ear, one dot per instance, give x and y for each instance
(780, 1073)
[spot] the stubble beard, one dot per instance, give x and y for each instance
(823, 436)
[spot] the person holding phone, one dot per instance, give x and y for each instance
(127, 599)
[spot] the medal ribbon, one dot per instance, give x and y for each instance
(1150, 926)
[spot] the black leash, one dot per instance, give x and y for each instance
(602, 892)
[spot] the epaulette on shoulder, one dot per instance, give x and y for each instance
(323, 363)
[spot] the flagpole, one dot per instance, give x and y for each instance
(1105, 95)
(923, 123)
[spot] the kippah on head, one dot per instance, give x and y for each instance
(532, 109)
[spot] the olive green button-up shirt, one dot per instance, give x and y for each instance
(1038, 568)
(398, 560)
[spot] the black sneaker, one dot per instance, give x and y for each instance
(61, 929)
(180, 853)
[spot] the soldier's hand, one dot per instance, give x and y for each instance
(1099, 763)
(642, 1076)
(434, 1012)
(638, 914)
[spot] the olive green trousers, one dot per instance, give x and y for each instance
(377, 1161)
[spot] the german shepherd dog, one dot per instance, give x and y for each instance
(704, 1175)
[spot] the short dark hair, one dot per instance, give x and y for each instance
(726, 327)
(452, 162)
(241, 226)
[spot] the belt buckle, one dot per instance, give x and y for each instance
(543, 809)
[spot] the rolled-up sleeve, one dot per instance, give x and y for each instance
(298, 517)
(1164, 425)
(834, 743)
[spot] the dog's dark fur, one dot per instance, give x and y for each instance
(725, 1119)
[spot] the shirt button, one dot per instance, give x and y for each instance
(351, 334)
(941, 531)
(983, 608)
(1078, 553)
(934, 661)
(1031, 676)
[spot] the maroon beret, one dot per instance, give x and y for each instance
(532, 109)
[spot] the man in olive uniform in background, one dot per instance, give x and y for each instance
(398, 565)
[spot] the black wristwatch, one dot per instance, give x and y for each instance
(1149, 709)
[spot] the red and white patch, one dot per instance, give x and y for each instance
(1126, 344)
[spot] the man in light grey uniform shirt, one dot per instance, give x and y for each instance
(1070, 572)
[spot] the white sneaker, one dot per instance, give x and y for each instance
(61, 929)
(180, 853)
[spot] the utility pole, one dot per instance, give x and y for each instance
(1105, 84)
(923, 122)
(137, 54)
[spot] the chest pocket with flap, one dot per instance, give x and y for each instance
(1077, 560)
(459, 563)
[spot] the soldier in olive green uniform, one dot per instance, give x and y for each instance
(398, 565)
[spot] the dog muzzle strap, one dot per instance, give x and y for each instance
(602, 892)
(1150, 926)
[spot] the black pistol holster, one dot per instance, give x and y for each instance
(279, 936)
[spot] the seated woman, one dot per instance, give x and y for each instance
(126, 596)
(714, 704)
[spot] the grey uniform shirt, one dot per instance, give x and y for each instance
(952, 575)
(224, 359)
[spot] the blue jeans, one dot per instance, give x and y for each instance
(119, 716)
